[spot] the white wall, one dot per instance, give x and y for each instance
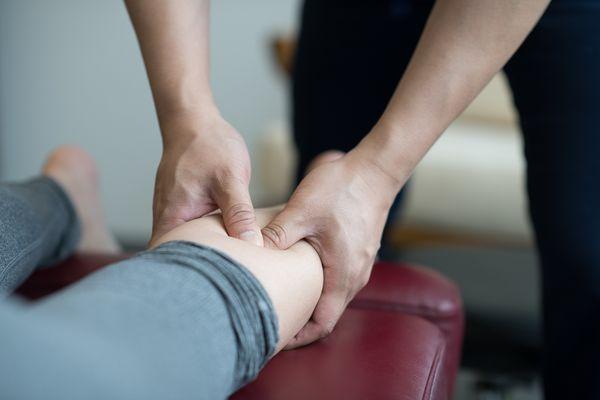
(70, 71)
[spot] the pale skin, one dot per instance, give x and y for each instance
(340, 207)
(292, 278)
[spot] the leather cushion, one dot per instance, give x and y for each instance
(370, 355)
(419, 291)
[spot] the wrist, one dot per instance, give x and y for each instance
(185, 125)
(382, 151)
(185, 95)
(384, 187)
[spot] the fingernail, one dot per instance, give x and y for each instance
(250, 236)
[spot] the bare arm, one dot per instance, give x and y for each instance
(341, 207)
(173, 37)
(205, 163)
(293, 278)
(464, 44)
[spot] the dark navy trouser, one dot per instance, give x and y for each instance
(352, 54)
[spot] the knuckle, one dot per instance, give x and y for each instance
(240, 214)
(336, 223)
(275, 233)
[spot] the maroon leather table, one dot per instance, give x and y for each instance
(370, 355)
(399, 339)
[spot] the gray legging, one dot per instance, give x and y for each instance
(181, 321)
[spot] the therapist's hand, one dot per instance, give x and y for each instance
(205, 166)
(340, 208)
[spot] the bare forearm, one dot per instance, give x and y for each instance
(464, 43)
(293, 278)
(173, 37)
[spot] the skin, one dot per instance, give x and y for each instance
(75, 170)
(293, 278)
(339, 207)
(205, 163)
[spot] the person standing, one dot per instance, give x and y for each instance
(350, 57)
(382, 80)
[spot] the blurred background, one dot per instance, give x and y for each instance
(71, 72)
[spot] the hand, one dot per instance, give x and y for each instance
(340, 208)
(205, 166)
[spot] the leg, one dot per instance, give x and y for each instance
(39, 224)
(182, 320)
(292, 278)
(350, 57)
(38, 227)
(557, 92)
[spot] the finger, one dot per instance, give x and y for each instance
(308, 334)
(287, 228)
(329, 309)
(238, 213)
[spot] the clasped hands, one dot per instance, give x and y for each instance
(340, 207)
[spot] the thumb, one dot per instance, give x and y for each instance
(238, 213)
(287, 228)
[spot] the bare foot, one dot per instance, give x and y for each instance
(75, 170)
(324, 158)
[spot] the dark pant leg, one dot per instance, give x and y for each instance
(350, 57)
(38, 226)
(555, 78)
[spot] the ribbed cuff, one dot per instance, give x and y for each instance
(250, 309)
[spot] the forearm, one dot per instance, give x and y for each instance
(464, 44)
(173, 37)
(293, 278)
